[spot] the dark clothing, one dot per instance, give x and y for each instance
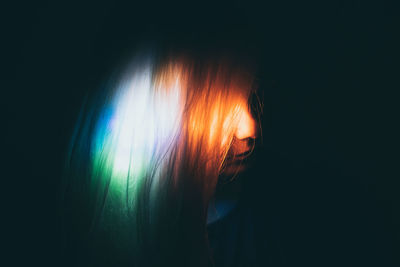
(245, 238)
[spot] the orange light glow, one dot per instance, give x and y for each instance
(215, 110)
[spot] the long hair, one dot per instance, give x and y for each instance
(145, 159)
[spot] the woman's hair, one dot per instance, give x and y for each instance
(145, 157)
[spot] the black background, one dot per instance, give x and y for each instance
(327, 74)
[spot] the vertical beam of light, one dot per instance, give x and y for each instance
(135, 131)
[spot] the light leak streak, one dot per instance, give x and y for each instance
(136, 128)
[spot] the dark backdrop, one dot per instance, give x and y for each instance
(327, 74)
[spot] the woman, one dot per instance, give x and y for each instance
(146, 157)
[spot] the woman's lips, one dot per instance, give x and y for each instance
(238, 157)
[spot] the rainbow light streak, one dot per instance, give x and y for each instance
(136, 130)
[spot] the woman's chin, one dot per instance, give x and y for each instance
(233, 169)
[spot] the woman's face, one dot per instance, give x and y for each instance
(242, 145)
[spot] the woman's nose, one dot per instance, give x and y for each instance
(246, 127)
